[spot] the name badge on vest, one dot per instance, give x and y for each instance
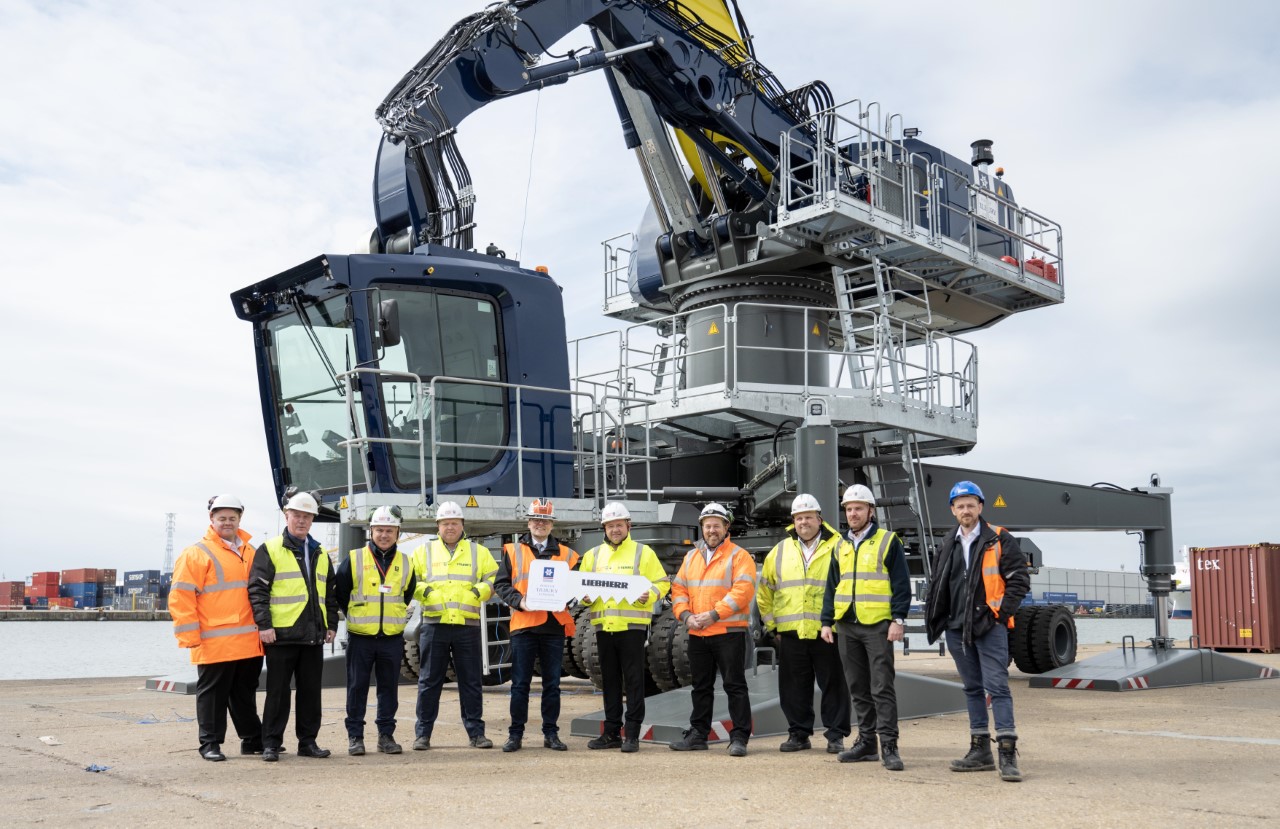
(386, 588)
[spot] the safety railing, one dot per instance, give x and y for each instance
(617, 262)
(843, 156)
(430, 430)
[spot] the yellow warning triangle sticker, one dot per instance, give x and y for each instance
(471, 501)
(343, 503)
(816, 329)
(714, 329)
(999, 502)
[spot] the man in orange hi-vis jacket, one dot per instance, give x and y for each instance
(712, 595)
(209, 604)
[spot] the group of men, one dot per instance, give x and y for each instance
(836, 604)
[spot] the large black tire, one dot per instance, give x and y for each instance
(587, 654)
(680, 657)
(1020, 640)
(570, 665)
(658, 652)
(1053, 638)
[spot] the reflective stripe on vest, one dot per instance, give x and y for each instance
(220, 584)
(522, 558)
(680, 604)
(992, 580)
(467, 603)
(600, 611)
(864, 580)
(289, 589)
(371, 610)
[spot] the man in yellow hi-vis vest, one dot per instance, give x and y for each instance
(374, 587)
(297, 615)
(867, 599)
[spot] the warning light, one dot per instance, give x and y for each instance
(543, 269)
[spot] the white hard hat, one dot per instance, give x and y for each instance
(614, 511)
(226, 502)
(448, 509)
(805, 502)
(858, 492)
(542, 509)
(714, 510)
(303, 502)
(384, 517)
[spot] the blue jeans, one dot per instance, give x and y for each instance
(547, 648)
(984, 669)
(437, 643)
(379, 657)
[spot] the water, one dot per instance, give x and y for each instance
(71, 650)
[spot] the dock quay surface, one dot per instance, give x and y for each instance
(1196, 756)
(83, 615)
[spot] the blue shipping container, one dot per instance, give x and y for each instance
(132, 576)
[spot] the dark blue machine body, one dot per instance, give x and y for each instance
(341, 295)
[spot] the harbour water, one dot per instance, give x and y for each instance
(68, 650)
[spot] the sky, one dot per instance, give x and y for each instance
(156, 156)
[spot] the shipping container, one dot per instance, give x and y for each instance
(62, 602)
(80, 576)
(1235, 597)
(135, 576)
(45, 578)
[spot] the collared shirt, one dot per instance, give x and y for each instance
(967, 539)
(858, 537)
(233, 546)
(808, 549)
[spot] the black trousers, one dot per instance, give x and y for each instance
(725, 653)
(379, 657)
(302, 665)
(801, 662)
(229, 685)
(622, 667)
(436, 645)
(867, 655)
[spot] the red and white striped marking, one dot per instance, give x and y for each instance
(166, 685)
(1268, 673)
(1137, 683)
(1080, 684)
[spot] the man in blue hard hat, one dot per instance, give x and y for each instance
(979, 580)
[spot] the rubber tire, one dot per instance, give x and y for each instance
(587, 654)
(1020, 652)
(570, 665)
(658, 652)
(680, 657)
(1053, 638)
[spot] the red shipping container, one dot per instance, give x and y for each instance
(79, 576)
(44, 578)
(1235, 597)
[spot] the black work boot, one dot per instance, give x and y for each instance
(889, 755)
(864, 749)
(1008, 747)
(979, 757)
(691, 741)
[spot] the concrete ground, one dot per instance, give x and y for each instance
(1199, 756)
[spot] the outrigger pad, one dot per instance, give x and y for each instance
(1130, 669)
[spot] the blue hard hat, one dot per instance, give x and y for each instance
(966, 488)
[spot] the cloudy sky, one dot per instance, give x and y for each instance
(156, 156)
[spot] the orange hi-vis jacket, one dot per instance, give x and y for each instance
(520, 559)
(209, 601)
(724, 585)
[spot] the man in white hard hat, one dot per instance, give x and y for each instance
(711, 594)
(866, 601)
(622, 627)
(374, 586)
(789, 597)
(209, 604)
(455, 577)
(535, 634)
(297, 615)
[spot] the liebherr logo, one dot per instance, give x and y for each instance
(1209, 564)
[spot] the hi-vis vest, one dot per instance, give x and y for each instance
(992, 580)
(289, 590)
(700, 586)
(864, 579)
(522, 559)
(209, 602)
(790, 594)
(374, 609)
(452, 587)
(628, 558)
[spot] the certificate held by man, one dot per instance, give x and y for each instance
(552, 585)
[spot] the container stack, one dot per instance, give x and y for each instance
(44, 586)
(106, 585)
(12, 594)
(81, 586)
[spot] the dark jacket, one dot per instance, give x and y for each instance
(511, 597)
(342, 583)
(895, 561)
(310, 627)
(978, 619)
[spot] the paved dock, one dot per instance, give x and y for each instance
(1198, 756)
